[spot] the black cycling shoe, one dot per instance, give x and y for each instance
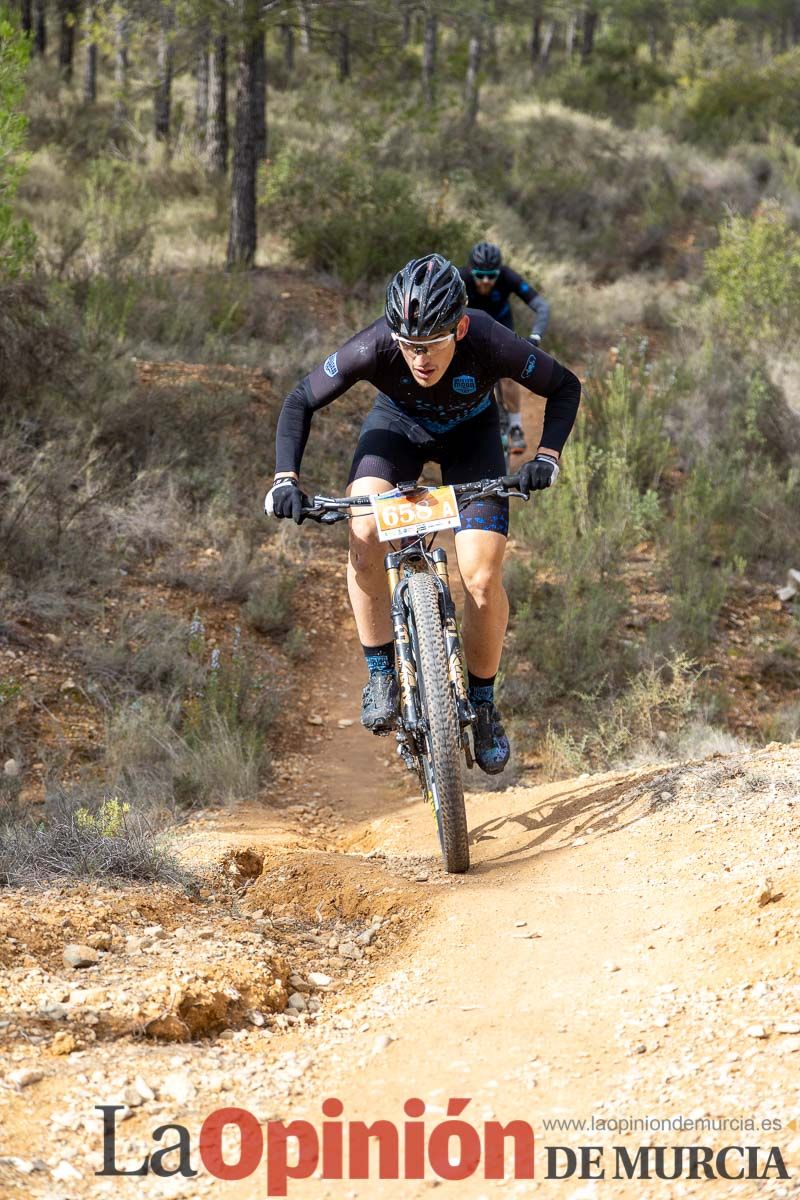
(492, 750)
(379, 703)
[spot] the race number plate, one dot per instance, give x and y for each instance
(415, 513)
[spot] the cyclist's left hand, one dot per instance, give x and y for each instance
(540, 472)
(536, 338)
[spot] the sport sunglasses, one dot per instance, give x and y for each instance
(485, 274)
(422, 347)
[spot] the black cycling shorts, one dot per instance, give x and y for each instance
(394, 447)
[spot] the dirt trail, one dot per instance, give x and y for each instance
(615, 953)
(606, 955)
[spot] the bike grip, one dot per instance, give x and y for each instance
(509, 481)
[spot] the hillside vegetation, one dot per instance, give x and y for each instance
(643, 172)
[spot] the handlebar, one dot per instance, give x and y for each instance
(327, 510)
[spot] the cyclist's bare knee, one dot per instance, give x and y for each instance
(366, 551)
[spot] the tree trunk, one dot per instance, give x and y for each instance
(164, 67)
(305, 27)
(39, 27)
(68, 19)
(547, 42)
(472, 82)
(652, 41)
(343, 38)
(491, 46)
(287, 37)
(536, 33)
(217, 128)
(243, 234)
(121, 34)
(26, 10)
(405, 28)
(569, 35)
(90, 62)
(201, 85)
(588, 31)
(429, 55)
(260, 98)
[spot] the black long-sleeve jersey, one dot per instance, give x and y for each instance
(487, 353)
(496, 302)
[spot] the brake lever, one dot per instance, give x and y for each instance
(326, 516)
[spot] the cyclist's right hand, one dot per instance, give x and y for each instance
(285, 499)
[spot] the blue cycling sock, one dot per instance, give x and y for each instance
(380, 659)
(481, 691)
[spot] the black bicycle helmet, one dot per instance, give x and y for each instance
(485, 256)
(426, 297)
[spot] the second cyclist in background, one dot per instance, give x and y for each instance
(489, 286)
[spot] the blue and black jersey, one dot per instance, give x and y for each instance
(497, 304)
(487, 353)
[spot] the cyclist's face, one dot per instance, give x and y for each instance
(484, 280)
(429, 358)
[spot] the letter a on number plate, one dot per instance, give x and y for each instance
(415, 513)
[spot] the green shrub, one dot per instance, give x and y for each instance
(615, 82)
(579, 536)
(754, 273)
(16, 239)
(120, 212)
(212, 750)
(270, 608)
(694, 578)
(643, 717)
(627, 410)
(151, 652)
(783, 724)
(344, 213)
(739, 102)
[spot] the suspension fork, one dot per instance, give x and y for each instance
(406, 671)
(452, 640)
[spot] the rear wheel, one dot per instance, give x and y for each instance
(442, 758)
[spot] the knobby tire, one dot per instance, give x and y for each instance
(439, 710)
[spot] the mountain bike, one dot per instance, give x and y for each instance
(435, 713)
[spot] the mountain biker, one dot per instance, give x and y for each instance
(489, 285)
(434, 364)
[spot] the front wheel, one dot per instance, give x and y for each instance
(441, 760)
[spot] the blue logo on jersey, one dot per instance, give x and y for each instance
(406, 379)
(530, 367)
(330, 366)
(465, 385)
(524, 288)
(496, 295)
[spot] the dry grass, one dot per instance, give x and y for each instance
(59, 845)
